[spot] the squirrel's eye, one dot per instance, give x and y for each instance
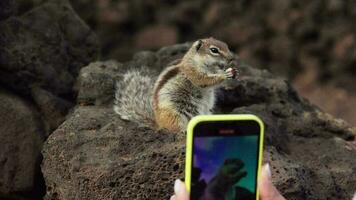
(214, 50)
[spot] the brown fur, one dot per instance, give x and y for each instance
(167, 118)
(200, 78)
(169, 74)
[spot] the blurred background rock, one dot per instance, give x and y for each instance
(310, 42)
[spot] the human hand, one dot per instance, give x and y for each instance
(267, 190)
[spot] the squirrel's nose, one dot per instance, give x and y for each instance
(233, 60)
(231, 57)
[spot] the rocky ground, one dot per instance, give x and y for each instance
(91, 153)
(95, 155)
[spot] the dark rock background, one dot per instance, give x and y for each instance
(42, 48)
(45, 43)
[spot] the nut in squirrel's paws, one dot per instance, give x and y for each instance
(231, 73)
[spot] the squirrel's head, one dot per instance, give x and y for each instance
(212, 54)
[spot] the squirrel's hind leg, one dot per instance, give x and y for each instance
(170, 120)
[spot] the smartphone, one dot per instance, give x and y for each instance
(224, 157)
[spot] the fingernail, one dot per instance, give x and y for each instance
(354, 198)
(268, 170)
(177, 186)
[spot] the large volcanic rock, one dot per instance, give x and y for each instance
(21, 136)
(7, 8)
(42, 52)
(95, 155)
(42, 49)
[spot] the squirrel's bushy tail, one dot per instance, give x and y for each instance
(133, 97)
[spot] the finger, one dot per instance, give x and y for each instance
(229, 69)
(266, 188)
(173, 197)
(229, 74)
(180, 190)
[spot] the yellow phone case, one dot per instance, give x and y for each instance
(189, 146)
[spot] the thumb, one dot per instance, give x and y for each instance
(266, 188)
(180, 191)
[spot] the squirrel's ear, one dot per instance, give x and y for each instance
(198, 45)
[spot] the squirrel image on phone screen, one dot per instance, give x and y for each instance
(222, 186)
(180, 92)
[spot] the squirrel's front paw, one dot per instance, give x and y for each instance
(230, 73)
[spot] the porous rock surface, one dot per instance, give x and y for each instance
(41, 54)
(95, 155)
(45, 47)
(42, 47)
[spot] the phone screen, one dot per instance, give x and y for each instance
(225, 160)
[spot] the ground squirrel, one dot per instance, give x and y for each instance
(181, 91)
